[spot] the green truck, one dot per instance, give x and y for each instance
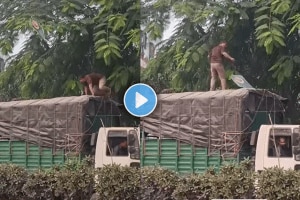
(42, 133)
(192, 131)
(187, 132)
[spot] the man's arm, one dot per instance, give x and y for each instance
(209, 55)
(226, 55)
(91, 89)
(90, 84)
(86, 90)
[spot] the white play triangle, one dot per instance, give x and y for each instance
(140, 100)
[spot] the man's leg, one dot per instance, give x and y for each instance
(104, 91)
(221, 74)
(102, 82)
(213, 78)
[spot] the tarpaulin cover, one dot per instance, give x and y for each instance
(58, 122)
(202, 118)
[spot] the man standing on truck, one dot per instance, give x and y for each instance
(216, 56)
(94, 84)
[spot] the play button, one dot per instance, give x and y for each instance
(140, 100)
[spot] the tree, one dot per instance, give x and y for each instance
(66, 39)
(262, 36)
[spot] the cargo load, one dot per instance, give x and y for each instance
(217, 120)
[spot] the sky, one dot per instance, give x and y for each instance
(169, 31)
(17, 48)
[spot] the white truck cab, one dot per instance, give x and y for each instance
(269, 144)
(118, 145)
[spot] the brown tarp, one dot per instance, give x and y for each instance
(58, 122)
(202, 118)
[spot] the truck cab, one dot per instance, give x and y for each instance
(118, 145)
(270, 142)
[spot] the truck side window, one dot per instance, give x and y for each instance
(280, 146)
(117, 146)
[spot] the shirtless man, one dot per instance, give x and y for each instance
(215, 57)
(94, 84)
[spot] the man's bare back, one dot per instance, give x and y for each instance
(94, 84)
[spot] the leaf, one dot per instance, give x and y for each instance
(195, 57)
(277, 22)
(288, 68)
(277, 33)
(262, 27)
(280, 78)
(279, 40)
(102, 48)
(281, 7)
(124, 77)
(261, 9)
(100, 42)
(264, 35)
(274, 67)
(116, 52)
(261, 19)
(113, 37)
(269, 47)
(296, 59)
(114, 46)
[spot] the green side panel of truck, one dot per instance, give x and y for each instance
(30, 156)
(183, 158)
(33, 156)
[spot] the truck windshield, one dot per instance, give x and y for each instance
(280, 143)
(117, 143)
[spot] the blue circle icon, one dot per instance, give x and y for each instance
(140, 100)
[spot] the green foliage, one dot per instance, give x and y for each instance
(276, 183)
(157, 183)
(37, 185)
(74, 180)
(114, 182)
(269, 29)
(12, 179)
(262, 36)
(194, 186)
(117, 40)
(232, 182)
(74, 38)
(296, 23)
(182, 62)
(284, 68)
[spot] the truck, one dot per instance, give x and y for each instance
(187, 132)
(190, 132)
(42, 133)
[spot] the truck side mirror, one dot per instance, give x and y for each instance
(296, 152)
(132, 150)
(296, 138)
(93, 139)
(253, 138)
